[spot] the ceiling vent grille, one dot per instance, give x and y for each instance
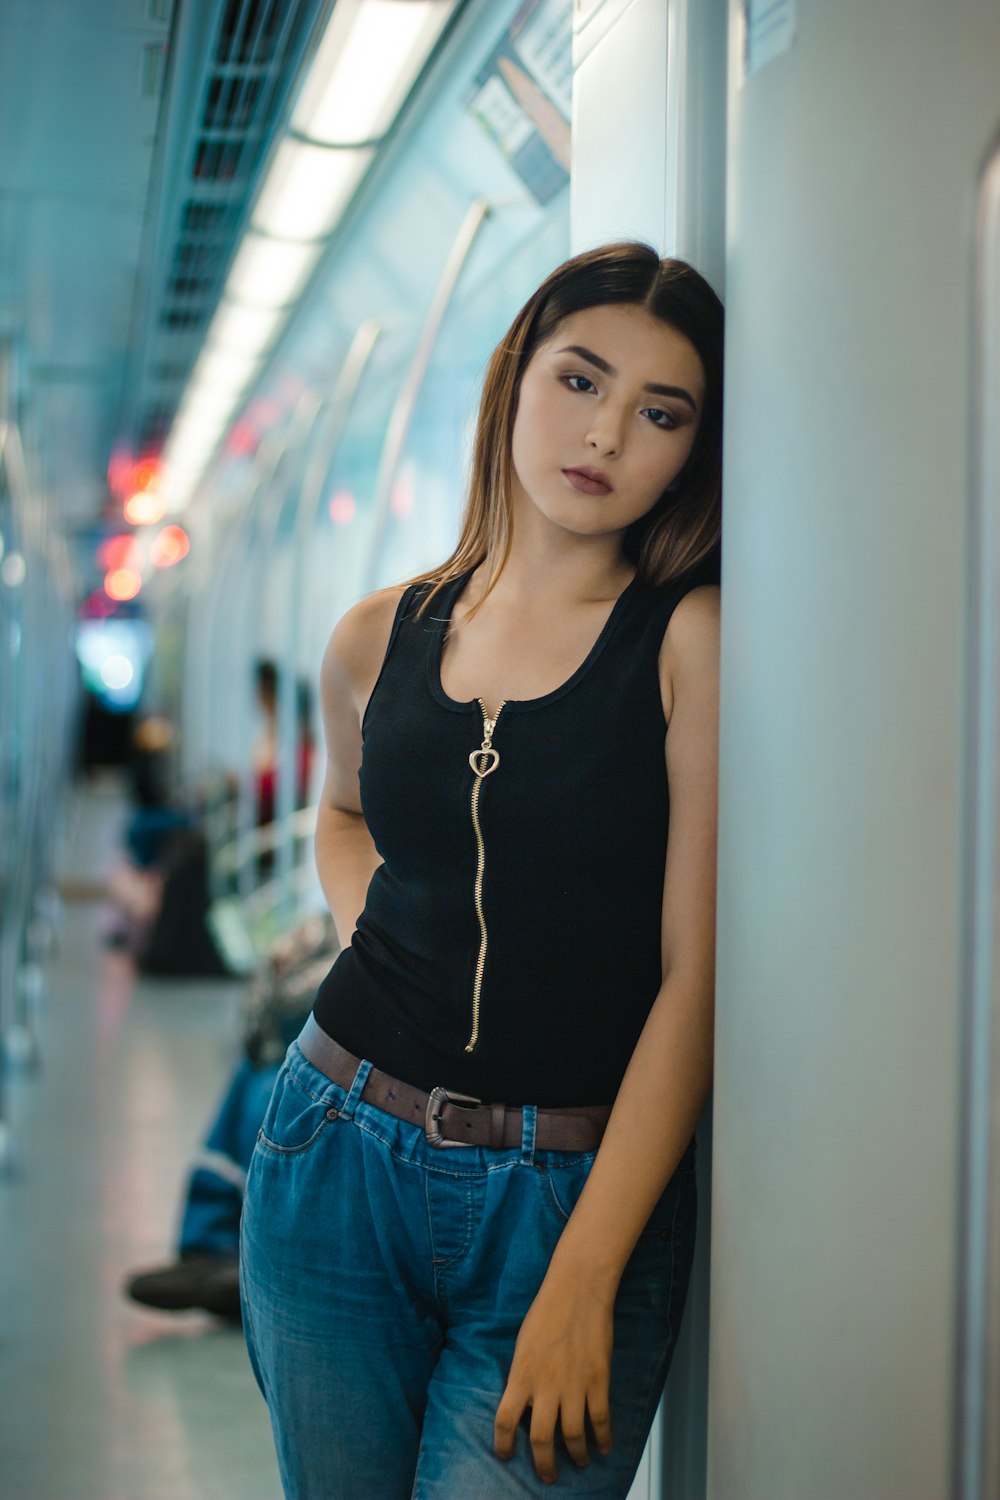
(208, 218)
(252, 30)
(245, 78)
(232, 100)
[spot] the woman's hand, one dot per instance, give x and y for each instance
(561, 1369)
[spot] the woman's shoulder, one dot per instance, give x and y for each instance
(360, 638)
(694, 591)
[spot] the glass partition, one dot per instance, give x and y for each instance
(429, 486)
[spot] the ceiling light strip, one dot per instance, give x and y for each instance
(302, 199)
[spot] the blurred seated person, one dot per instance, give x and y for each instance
(159, 886)
(135, 882)
(205, 1273)
(155, 816)
(265, 752)
(264, 745)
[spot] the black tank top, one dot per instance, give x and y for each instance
(510, 943)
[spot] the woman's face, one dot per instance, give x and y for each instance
(613, 391)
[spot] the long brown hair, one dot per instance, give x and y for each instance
(685, 524)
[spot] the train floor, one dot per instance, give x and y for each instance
(102, 1399)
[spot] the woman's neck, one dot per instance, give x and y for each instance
(586, 573)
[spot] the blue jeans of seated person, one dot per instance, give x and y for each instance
(210, 1216)
(384, 1283)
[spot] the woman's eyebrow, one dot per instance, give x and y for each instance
(602, 364)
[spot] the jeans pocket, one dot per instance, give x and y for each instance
(295, 1119)
(674, 1211)
(565, 1179)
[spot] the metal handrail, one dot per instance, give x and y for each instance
(245, 923)
(976, 1443)
(406, 401)
(253, 842)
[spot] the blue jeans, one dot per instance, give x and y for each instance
(213, 1201)
(384, 1282)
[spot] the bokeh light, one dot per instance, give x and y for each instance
(122, 583)
(13, 570)
(145, 473)
(154, 733)
(402, 496)
(116, 672)
(144, 508)
(120, 551)
(120, 473)
(97, 606)
(342, 508)
(169, 546)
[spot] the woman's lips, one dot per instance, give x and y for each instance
(588, 486)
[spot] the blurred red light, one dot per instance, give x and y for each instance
(117, 551)
(145, 473)
(342, 507)
(244, 438)
(401, 498)
(264, 412)
(169, 546)
(119, 472)
(122, 583)
(97, 606)
(144, 508)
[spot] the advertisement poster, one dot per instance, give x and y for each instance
(522, 95)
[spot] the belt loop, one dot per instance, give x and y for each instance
(498, 1113)
(529, 1115)
(346, 1111)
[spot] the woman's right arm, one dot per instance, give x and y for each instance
(346, 857)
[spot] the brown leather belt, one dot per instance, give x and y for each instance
(451, 1119)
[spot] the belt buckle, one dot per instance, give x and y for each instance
(432, 1117)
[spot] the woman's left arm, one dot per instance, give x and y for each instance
(562, 1358)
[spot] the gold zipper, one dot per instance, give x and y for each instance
(483, 761)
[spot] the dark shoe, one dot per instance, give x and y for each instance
(211, 1282)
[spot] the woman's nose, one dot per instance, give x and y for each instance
(606, 433)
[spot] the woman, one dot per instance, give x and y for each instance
(449, 1233)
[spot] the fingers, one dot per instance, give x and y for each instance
(574, 1436)
(543, 1449)
(571, 1417)
(600, 1417)
(505, 1423)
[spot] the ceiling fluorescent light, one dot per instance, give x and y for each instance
(193, 447)
(219, 370)
(201, 418)
(244, 330)
(270, 273)
(306, 189)
(184, 461)
(203, 406)
(365, 66)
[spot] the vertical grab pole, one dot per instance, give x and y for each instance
(976, 1425)
(402, 411)
(330, 430)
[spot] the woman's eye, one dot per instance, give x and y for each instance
(669, 421)
(584, 379)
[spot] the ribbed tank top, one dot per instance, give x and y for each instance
(546, 921)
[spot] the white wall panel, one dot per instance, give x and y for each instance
(618, 183)
(649, 102)
(839, 1009)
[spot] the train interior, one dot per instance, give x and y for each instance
(254, 258)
